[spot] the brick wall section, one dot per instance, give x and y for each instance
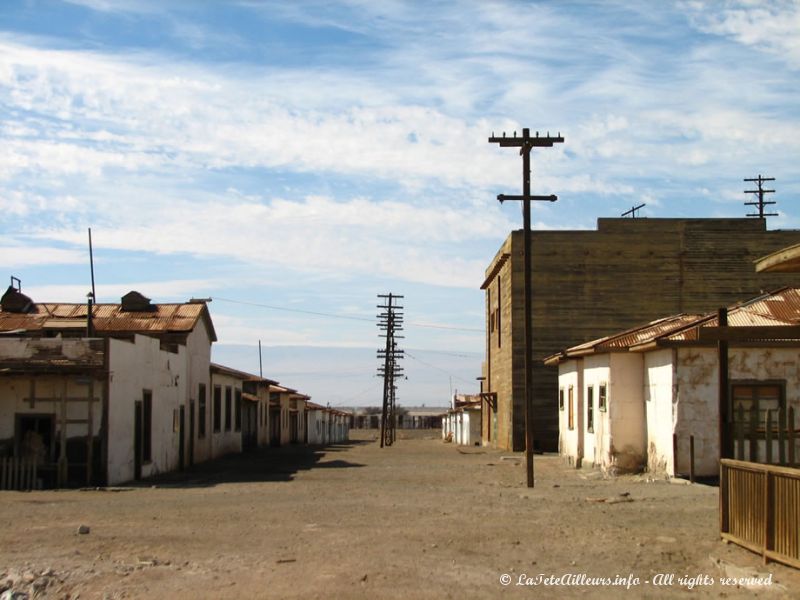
(588, 284)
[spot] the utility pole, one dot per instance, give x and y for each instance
(525, 144)
(760, 203)
(389, 322)
(633, 210)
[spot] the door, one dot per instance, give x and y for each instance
(275, 427)
(137, 439)
(191, 432)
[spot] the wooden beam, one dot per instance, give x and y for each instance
(749, 334)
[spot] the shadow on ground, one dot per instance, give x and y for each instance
(258, 465)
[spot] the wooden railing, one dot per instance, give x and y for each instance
(18, 474)
(760, 509)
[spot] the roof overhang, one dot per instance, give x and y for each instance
(502, 259)
(786, 260)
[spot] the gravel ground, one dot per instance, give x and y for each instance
(421, 519)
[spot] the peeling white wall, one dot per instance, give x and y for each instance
(198, 351)
(659, 399)
(595, 444)
(15, 389)
(627, 446)
(133, 368)
(570, 373)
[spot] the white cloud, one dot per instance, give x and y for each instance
(16, 257)
(768, 26)
(179, 290)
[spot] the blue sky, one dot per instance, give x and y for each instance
(310, 155)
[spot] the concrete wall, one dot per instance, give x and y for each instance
(317, 426)
(15, 389)
(134, 367)
(596, 444)
(470, 428)
(593, 283)
(626, 449)
(659, 395)
(697, 408)
(198, 351)
(571, 439)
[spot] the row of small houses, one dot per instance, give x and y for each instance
(107, 393)
(647, 398)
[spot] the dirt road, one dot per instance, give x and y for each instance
(421, 519)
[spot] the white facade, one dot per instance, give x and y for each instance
(226, 415)
(138, 369)
(659, 400)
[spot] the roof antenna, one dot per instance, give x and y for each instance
(91, 264)
(260, 366)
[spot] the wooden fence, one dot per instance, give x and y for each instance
(760, 509)
(18, 474)
(770, 440)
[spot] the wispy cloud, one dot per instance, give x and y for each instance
(766, 26)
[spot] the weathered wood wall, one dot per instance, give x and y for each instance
(588, 284)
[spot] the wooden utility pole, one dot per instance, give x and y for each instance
(525, 144)
(389, 322)
(632, 211)
(760, 203)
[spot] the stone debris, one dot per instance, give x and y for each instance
(83, 529)
(21, 584)
(623, 497)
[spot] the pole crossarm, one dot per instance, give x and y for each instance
(525, 144)
(511, 197)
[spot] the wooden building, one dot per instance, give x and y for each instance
(588, 284)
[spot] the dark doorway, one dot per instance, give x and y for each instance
(137, 439)
(191, 432)
(275, 427)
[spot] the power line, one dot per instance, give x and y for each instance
(427, 364)
(339, 316)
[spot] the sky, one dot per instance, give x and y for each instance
(292, 160)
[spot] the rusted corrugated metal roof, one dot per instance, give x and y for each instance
(110, 318)
(778, 308)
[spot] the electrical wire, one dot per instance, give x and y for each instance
(339, 316)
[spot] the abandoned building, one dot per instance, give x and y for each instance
(462, 423)
(589, 284)
(648, 396)
(325, 425)
(99, 394)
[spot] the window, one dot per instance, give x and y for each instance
(237, 408)
(147, 425)
(201, 407)
(489, 311)
(590, 409)
(753, 401)
(228, 401)
(561, 399)
(571, 408)
(217, 409)
(602, 396)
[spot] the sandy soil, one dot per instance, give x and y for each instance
(421, 519)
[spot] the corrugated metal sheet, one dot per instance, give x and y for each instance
(776, 309)
(109, 318)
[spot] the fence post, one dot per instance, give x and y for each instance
(790, 436)
(768, 435)
(691, 459)
(739, 432)
(781, 435)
